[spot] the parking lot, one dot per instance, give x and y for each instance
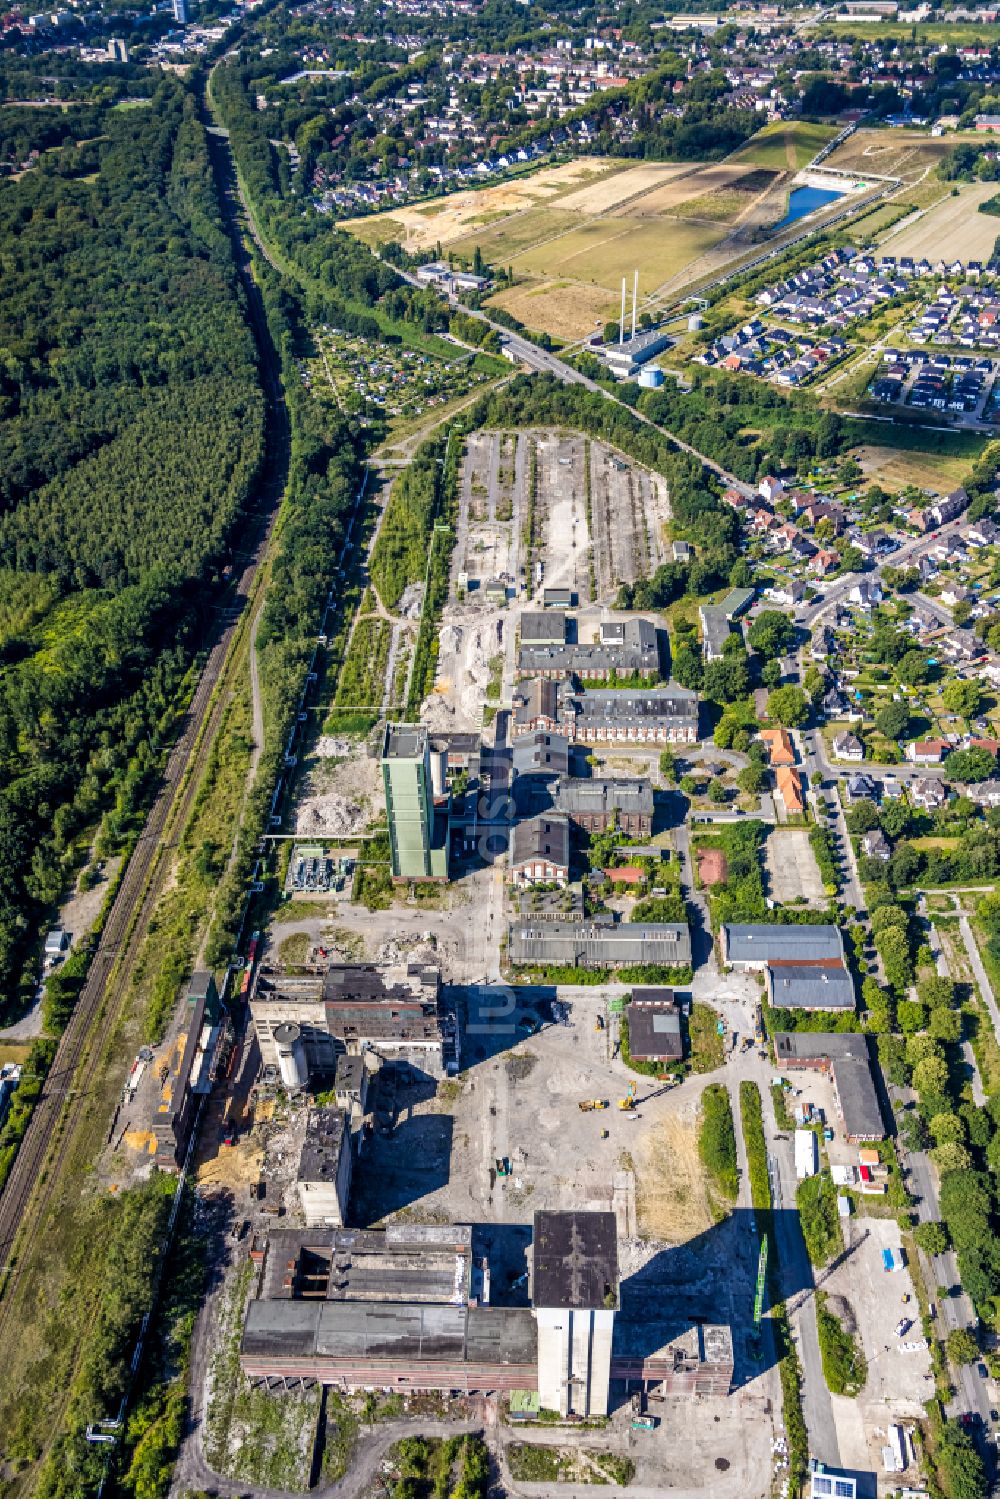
(792, 871)
(871, 1301)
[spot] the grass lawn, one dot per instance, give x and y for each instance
(935, 842)
(931, 460)
(790, 146)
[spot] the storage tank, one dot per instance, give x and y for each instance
(291, 1056)
(695, 322)
(439, 766)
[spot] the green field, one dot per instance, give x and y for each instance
(973, 35)
(604, 250)
(786, 146)
(518, 232)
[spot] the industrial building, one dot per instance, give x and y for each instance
(803, 966)
(717, 621)
(410, 1308)
(189, 1074)
(413, 775)
(664, 715)
(541, 754)
(599, 944)
(624, 648)
(848, 1062)
(751, 945)
(654, 1026)
(809, 986)
(595, 804)
(539, 852)
(544, 627)
(574, 1258)
(626, 359)
(323, 1179)
(304, 1023)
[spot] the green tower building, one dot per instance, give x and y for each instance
(418, 836)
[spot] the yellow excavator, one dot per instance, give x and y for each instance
(628, 1102)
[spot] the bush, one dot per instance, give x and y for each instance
(816, 1199)
(717, 1140)
(753, 1137)
(962, 1346)
(844, 1367)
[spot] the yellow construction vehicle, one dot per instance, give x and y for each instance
(628, 1102)
(599, 1023)
(587, 1104)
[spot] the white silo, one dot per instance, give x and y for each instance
(291, 1056)
(439, 766)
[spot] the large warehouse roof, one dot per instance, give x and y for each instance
(761, 942)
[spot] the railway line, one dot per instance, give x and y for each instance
(35, 1177)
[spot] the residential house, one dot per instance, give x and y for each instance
(984, 793)
(780, 749)
(875, 845)
(789, 784)
(861, 788)
(927, 793)
(823, 562)
(848, 747)
(867, 593)
(786, 591)
(927, 751)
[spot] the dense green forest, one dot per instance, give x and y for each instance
(131, 425)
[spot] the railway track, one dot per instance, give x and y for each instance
(35, 1177)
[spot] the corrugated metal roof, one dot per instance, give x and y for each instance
(759, 942)
(820, 986)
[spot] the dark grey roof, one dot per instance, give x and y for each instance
(637, 651)
(406, 1263)
(716, 630)
(543, 628)
(322, 1146)
(404, 741)
(753, 942)
(362, 1332)
(545, 837)
(583, 943)
(850, 1063)
(670, 703)
(574, 1260)
(541, 753)
(654, 1029)
(817, 986)
(602, 794)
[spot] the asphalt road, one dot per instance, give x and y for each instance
(545, 362)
